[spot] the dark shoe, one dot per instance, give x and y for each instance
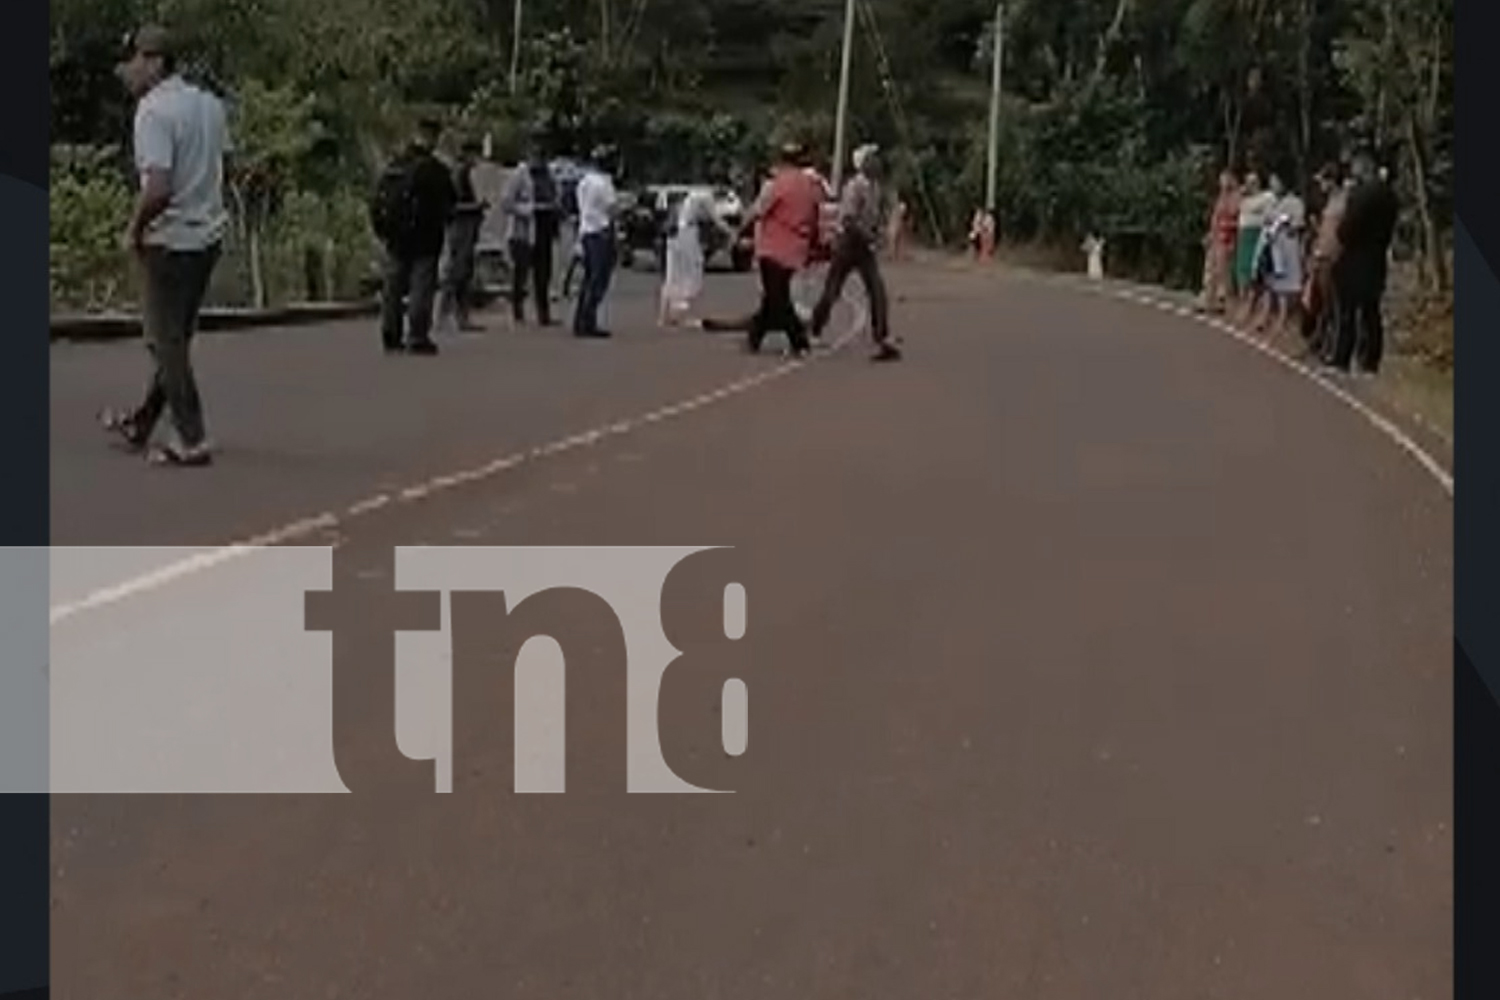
(593, 334)
(886, 352)
(124, 429)
(425, 348)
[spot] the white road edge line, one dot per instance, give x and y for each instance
(1382, 424)
(175, 571)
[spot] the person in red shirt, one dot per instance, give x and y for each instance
(786, 217)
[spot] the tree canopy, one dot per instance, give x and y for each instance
(1116, 114)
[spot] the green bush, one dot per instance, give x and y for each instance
(312, 247)
(1081, 165)
(87, 265)
(318, 248)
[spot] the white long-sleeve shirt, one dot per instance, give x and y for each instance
(596, 202)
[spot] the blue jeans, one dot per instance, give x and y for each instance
(598, 266)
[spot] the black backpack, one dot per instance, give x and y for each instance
(394, 212)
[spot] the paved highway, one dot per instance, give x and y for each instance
(1097, 656)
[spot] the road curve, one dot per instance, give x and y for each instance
(1094, 656)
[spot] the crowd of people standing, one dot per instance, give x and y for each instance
(428, 216)
(421, 206)
(1277, 266)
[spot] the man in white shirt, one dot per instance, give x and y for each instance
(176, 231)
(597, 203)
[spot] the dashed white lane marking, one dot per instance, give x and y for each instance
(306, 527)
(1381, 424)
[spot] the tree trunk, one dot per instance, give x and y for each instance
(1432, 245)
(1107, 40)
(604, 31)
(1388, 9)
(1234, 113)
(1304, 88)
(257, 273)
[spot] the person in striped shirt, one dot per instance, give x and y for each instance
(855, 250)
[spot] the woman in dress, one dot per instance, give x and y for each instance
(1223, 232)
(683, 281)
(1283, 257)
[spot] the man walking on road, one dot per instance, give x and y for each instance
(597, 204)
(855, 249)
(410, 214)
(181, 137)
(463, 240)
(1359, 273)
(786, 216)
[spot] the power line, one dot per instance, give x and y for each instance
(893, 95)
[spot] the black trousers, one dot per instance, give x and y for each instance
(1359, 286)
(777, 311)
(176, 283)
(531, 271)
(410, 281)
(854, 254)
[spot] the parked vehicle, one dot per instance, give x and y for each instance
(647, 225)
(639, 225)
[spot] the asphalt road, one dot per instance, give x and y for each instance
(1095, 656)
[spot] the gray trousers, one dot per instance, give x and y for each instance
(176, 283)
(458, 278)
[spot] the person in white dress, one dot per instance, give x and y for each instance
(683, 282)
(1281, 251)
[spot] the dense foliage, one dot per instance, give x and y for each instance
(1117, 113)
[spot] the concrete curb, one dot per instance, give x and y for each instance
(86, 328)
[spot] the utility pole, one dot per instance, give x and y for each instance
(998, 45)
(604, 30)
(841, 121)
(515, 51)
